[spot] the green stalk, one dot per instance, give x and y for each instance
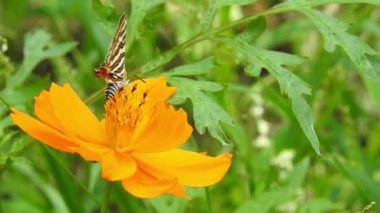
(106, 198)
(5, 103)
(208, 197)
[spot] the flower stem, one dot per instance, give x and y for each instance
(106, 198)
(208, 197)
(6, 104)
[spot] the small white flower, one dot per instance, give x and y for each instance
(262, 141)
(284, 160)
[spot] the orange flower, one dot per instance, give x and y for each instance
(136, 143)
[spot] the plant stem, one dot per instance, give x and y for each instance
(208, 197)
(106, 198)
(6, 104)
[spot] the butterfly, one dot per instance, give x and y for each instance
(112, 70)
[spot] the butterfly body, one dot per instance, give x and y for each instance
(111, 89)
(112, 70)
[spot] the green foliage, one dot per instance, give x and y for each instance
(256, 79)
(34, 52)
(139, 10)
(293, 86)
(271, 198)
(334, 33)
(215, 5)
(206, 113)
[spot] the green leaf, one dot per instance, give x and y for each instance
(364, 182)
(182, 95)
(52, 195)
(70, 194)
(139, 10)
(334, 33)
(296, 177)
(254, 29)
(36, 50)
(215, 5)
(106, 16)
(201, 67)
(210, 14)
(289, 83)
(94, 177)
(59, 49)
(157, 62)
(373, 87)
(108, 19)
(207, 114)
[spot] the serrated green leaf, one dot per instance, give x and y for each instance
(36, 50)
(207, 114)
(139, 10)
(181, 95)
(289, 83)
(201, 67)
(334, 33)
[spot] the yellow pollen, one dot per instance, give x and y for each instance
(124, 111)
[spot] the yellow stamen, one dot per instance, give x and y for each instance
(124, 112)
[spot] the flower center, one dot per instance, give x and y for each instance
(124, 113)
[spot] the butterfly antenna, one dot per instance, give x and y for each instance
(136, 76)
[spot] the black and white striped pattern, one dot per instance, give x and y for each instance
(111, 90)
(116, 53)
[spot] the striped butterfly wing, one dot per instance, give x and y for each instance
(116, 53)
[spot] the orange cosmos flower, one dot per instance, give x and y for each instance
(136, 143)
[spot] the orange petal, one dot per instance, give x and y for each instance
(75, 117)
(191, 169)
(45, 111)
(92, 151)
(143, 185)
(156, 89)
(163, 130)
(117, 166)
(42, 132)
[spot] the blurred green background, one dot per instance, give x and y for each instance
(233, 55)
